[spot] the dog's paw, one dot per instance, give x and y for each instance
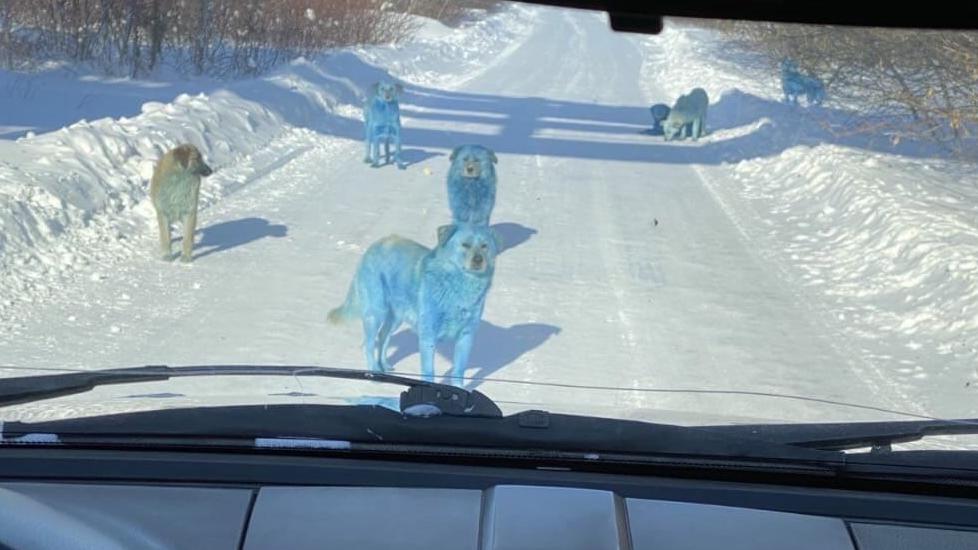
(377, 369)
(401, 166)
(375, 165)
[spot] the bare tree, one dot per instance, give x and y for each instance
(899, 83)
(224, 38)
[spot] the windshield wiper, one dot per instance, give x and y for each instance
(448, 400)
(878, 436)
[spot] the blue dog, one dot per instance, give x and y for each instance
(472, 184)
(794, 84)
(382, 123)
(660, 112)
(439, 293)
(687, 118)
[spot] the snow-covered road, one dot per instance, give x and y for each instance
(621, 267)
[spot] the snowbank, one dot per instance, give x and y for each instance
(881, 237)
(69, 196)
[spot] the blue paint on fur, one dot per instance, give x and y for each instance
(660, 112)
(472, 184)
(795, 84)
(440, 293)
(382, 123)
(687, 118)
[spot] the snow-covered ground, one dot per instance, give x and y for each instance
(647, 278)
(880, 239)
(65, 195)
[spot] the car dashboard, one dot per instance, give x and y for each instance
(426, 506)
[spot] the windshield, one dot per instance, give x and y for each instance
(725, 223)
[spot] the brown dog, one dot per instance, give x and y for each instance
(174, 191)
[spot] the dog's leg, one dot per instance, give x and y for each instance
(372, 325)
(189, 227)
(427, 340)
(366, 142)
(165, 247)
(463, 347)
(375, 152)
(392, 324)
(397, 151)
(427, 360)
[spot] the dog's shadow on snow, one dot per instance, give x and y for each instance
(232, 234)
(494, 348)
(410, 157)
(740, 126)
(513, 234)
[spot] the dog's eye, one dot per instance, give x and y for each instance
(484, 246)
(466, 245)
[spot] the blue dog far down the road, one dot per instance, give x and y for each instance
(382, 123)
(472, 184)
(794, 84)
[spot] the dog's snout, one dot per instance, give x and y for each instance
(205, 170)
(478, 260)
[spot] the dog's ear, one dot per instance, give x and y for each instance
(182, 155)
(445, 232)
(497, 238)
(492, 157)
(399, 87)
(454, 154)
(374, 88)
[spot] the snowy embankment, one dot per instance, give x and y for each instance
(882, 239)
(76, 195)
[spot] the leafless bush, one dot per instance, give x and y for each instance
(217, 37)
(901, 83)
(449, 12)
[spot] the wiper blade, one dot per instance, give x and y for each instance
(366, 428)
(448, 400)
(878, 436)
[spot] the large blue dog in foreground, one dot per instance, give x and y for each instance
(472, 184)
(439, 293)
(382, 123)
(794, 84)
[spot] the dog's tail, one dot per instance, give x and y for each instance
(348, 311)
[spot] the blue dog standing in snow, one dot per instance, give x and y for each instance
(687, 118)
(794, 84)
(472, 184)
(382, 123)
(440, 293)
(660, 112)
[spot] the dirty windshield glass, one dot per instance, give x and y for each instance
(724, 223)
